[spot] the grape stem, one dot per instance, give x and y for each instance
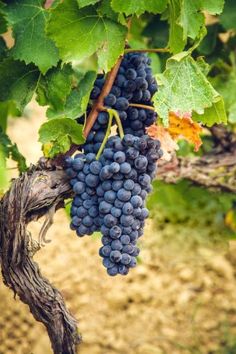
(147, 50)
(98, 105)
(108, 132)
(144, 106)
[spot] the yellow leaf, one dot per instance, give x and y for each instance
(185, 128)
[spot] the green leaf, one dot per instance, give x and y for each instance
(79, 33)
(191, 15)
(10, 150)
(105, 9)
(3, 21)
(6, 109)
(59, 134)
(176, 36)
(232, 114)
(83, 3)
(130, 7)
(183, 88)
(77, 101)
(213, 7)
(213, 115)
(55, 86)
(228, 17)
(17, 82)
(3, 174)
(28, 20)
(3, 48)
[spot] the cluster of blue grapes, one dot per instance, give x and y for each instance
(110, 192)
(128, 166)
(134, 84)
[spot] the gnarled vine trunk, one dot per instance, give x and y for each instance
(31, 196)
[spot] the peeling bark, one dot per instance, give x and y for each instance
(30, 197)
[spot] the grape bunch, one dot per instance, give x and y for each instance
(128, 168)
(84, 171)
(110, 192)
(134, 84)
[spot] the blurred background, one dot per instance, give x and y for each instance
(181, 298)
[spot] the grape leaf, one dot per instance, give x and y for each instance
(58, 135)
(192, 18)
(184, 88)
(28, 20)
(17, 82)
(55, 86)
(79, 33)
(212, 115)
(130, 7)
(228, 17)
(176, 37)
(3, 48)
(83, 3)
(10, 150)
(3, 21)
(77, 101)
(7, 108)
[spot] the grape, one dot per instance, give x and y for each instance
(79, 187)
(129, 184)
(115, 232)
(110, 100)
(123, 195)
(127, 209)
(110, 196)
(105, 207)
(115, 256)
(119, 157)
(121, 104)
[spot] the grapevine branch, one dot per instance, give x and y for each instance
(98, 105)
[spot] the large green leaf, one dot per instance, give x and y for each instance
(183, 88)
(55, 86)
(130, 7)
(28, 20)
(57, 135)
(79, 33)
(17, 82)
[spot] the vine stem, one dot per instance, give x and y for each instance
(144, 106)
(98, 105)
(147, 50)
(118, 122)
(108, 132)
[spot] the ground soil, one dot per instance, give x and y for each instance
(175, 302)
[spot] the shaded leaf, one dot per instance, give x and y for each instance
(55, 86)
(10, 150)
(77, 101)
(228, 17)
(17, 82)
(58, 135)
